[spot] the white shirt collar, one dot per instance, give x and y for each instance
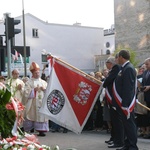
(125, 63)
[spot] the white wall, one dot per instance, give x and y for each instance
(77, 45)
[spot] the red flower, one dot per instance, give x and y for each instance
(20, 106)
(11, 139)
(32, 138)
(9, 106)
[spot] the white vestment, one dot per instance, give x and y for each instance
(34, 100)
(13, 83)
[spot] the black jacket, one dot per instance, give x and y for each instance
(108, 82)
(146, 82)
(126, 84)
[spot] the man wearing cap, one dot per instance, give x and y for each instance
(34, 93)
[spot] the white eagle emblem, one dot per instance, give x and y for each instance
(82, 93)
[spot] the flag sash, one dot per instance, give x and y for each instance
(118, 99)
(108, 96)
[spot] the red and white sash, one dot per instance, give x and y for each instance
(108, 96)
(118, 99)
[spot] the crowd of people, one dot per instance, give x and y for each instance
(116, 109)
(124, 86)
(30, 92)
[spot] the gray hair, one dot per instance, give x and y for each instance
(111, 60)
(147, 59)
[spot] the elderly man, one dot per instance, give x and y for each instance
(117, 125)
(16, 85)
(34, 93)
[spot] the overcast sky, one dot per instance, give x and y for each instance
(94, 13)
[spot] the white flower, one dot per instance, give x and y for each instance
(6, 146)
(19, 136)
(30, 147)
(11, 143)
(56, 147)
(4, 141)
(46, 147)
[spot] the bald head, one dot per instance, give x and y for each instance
(15, 74)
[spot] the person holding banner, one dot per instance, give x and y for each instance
(34, 93)
(117, 134)
(124, 91)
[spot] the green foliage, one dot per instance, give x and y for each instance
(4, 96)
(132, 55)
(7, 117)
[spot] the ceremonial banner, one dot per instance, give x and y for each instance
(69, 98)
(16, 55)
(50, 62)
(21, 59)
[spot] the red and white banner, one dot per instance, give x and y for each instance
(15, 57)
(69, 97)
(21, 59)
(50, 63)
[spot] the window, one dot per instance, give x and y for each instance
(107, 52)
(44, 58)
(35, 33)
(107, 44)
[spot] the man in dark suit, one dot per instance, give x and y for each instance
(124, 91)
(117, 125)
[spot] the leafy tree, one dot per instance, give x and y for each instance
(132, 55)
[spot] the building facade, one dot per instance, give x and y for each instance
(109, 40)
(109, 48)
(75, 44)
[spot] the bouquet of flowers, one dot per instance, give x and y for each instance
(11, 114)
(7, 115)
(26, 142)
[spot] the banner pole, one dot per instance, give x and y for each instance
(143, 106)
(85, 74)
